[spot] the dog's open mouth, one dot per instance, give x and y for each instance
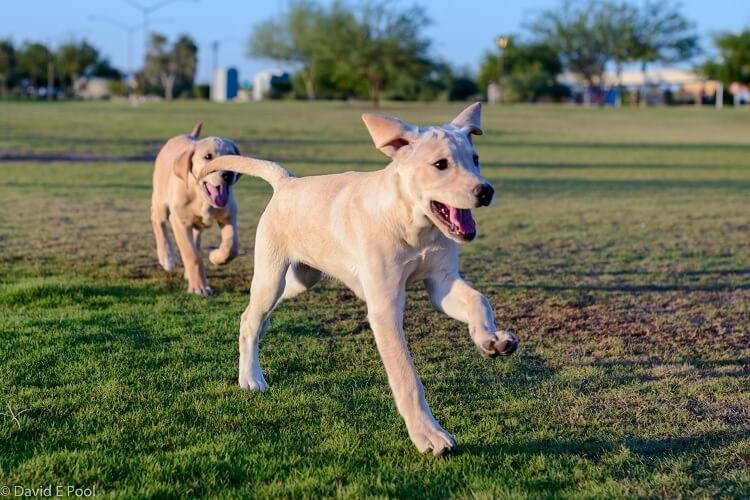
(458, 221)
(217, 195)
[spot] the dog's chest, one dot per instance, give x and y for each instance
(423, 262)
(204, 218)
(202, 222)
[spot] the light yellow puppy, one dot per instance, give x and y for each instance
(377, 232)
(192, 206)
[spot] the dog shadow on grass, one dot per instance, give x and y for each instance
(699, 447)
(647, 450)
(625, 288)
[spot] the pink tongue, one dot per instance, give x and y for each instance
(218, 194)
(462, 219)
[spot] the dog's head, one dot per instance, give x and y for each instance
(214, 187)
(439, 168)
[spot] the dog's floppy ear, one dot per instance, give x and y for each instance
(470, 119)
(388, 134)
(184, 163)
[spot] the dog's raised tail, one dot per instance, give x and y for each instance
(196, 132)
(271, 172)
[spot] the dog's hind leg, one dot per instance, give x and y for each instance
(299, 278)
(265, 291)
(164, 249)
(195, 272)
(197, 233)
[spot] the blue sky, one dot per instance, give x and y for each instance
(462, 30)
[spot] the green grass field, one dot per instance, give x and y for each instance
(618, 251)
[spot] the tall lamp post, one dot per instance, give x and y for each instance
(502, 42)
(215, 51)
(146, 10)
(130, 30)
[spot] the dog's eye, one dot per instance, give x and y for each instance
(441, 164)
(476, 160)
(208, 156)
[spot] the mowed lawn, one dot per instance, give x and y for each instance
(618, 250)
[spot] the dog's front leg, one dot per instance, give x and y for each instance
(385, 312)
(194, 270)
(451, 295)
(230, 242)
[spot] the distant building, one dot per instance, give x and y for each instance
(225, 85)
(657, 85)
(740, 94)
(264, 83)
(92, 88)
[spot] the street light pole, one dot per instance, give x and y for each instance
(215, 58)
(147, 10)
(215, 50)
(130, 30)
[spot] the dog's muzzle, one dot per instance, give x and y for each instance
(484, 194)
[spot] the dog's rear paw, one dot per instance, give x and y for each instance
(502, 343)
(435, 440)
(167, 264)
(257, 384)
(203, 290)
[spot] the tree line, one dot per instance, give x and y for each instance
(34, 65)
(379, 49)
(376, 49)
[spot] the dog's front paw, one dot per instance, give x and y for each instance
(430, 437)
(200, 289)
(255, 383)
(219, 257)
(502, 343)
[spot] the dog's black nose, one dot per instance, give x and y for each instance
(484, 194)
(228, 177)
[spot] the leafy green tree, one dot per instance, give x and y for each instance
(529, 70)
(102, 68)
(623, 25)
(344, 50)
(33, 59)
(73, 59)
(663, 34)
(579, 31)
(7, 65)
(296, 39)
(733, 63)
(441, 82)
(387, 43)
(170, 68)
(592, 33)
(185, 57)
(462, 87)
